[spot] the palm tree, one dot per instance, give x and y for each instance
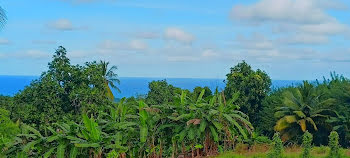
(110, 78)
(302, 110)
(2, 17)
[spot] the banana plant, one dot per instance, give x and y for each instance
(28, 143)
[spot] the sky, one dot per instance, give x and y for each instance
(289, 39)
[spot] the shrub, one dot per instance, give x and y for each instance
(262, 140)
(277, 147)
(321, 150)
(334, 145)
(307, 140)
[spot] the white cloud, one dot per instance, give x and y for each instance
(109, 46)
(63, 25)
(256, 41)
(303, 39)
(78, 54)
(182, 58)
(329, 28)
(44, 42)
(209, 53)
(291, 11)
(145, 35)
(4, 41)
(36, 54)
(300, 16)
(28, 54)
(179, 35)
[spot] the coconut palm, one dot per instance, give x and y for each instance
(111, 78)
(302, 110)
(2, 17)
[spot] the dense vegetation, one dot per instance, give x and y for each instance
(70, 111)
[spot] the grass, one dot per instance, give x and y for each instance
(261, 151)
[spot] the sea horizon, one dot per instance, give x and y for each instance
(133, 86)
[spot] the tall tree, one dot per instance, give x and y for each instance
(64, 90)
(111, 78)
(302, 110)
(252, 86)
(3, 17)
(160, 92)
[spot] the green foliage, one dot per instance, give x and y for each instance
(8, 130)
(69, 112)
(277, 147)
(252, 86)
(307, 141)
(198, 90)
(267, 121)
(64, 91)
(111, 78)
(160, 92)
(302, 110)
(334, 145)
(256, 138)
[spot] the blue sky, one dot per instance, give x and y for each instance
(289, 39)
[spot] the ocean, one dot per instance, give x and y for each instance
(133, 86)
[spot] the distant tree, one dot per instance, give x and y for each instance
(111, 78)
(302, 110)
(252, 86)
(65, 90)
(2, 17)
(6, 102)
(160, 92)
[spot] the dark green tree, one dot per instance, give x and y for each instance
(65, 90)
(253, 87)
(160, 92)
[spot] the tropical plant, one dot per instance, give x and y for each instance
(160, 92)
(302, 110)
(341, 124)
(307, 141)
(8, 130)
(277, 147)
(334, 145)
(64, 90)
(209, 122)
(110, 77)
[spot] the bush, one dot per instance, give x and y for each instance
(262, 140)
(8, 130)
(277, 147)
(307, 140)
(334, 145)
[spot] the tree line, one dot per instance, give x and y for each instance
(70, 111)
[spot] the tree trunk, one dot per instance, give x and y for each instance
(192, 151)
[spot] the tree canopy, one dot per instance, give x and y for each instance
(252, 86)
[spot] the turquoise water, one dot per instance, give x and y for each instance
(131, 86)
